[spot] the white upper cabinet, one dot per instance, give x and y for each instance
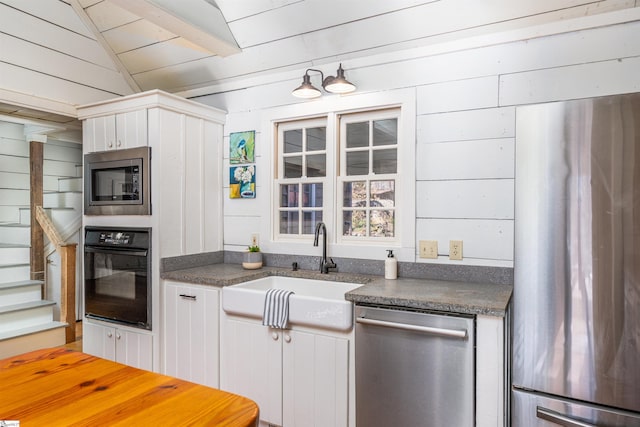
(116, 131)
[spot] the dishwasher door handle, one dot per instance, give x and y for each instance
(451, 333)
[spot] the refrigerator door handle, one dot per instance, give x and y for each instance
(561, 420)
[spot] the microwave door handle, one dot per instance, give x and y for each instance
(115, 251)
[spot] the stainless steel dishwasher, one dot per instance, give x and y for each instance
(414, 368)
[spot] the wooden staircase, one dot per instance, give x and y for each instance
(28, 319)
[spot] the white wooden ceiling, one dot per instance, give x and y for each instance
(71, 52)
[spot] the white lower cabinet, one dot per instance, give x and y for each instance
(297, 377)
(191, 333)
(118, 344)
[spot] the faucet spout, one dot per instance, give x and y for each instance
(325, 265)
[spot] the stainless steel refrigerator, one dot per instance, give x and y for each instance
(576, 312)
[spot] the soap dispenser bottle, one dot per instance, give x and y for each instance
(390, 266)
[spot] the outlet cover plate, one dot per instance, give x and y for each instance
(455, 250)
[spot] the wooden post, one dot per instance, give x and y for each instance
(68, 289)
(67, 273)
(37, 236)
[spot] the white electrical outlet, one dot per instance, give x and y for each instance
(255, 239)
(455, 250)
(429, 249)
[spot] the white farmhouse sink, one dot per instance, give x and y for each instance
(316, 303)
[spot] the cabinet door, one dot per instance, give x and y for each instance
(99, 340)
(115, 131)
(131, 129)
(251, 365)
(134, 349)
(315, 380)
(99, 134)
(192, 333)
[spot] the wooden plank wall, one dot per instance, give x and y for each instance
(465, 133)
(61, 160)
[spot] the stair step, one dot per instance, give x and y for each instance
(32, 329)
(14, 253)
(14, 233)
(24, 340)
(25, 315)
(60, 216)
(22, 181)
(70, 184)
(13, 293)
(63, 199)
(14, 272)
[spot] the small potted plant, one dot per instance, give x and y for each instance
(252, 258)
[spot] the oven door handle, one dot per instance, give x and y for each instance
(116, 251)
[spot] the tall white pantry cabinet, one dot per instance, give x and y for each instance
(186, 140)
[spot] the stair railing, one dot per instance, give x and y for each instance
(67, 273)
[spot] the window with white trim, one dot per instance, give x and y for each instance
(353, 180)
(368, 175)
(302, 176)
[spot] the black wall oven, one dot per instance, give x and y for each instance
(117, 271)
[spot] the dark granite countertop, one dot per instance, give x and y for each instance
(438, 295)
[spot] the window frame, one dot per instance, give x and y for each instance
(330, 107)
(279, 179)
(369, 116)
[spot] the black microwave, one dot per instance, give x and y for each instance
(117, 182)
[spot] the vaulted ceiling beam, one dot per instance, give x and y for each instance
(197, 21)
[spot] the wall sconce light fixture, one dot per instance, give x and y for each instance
(337, 84)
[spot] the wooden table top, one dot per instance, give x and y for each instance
(61, 387)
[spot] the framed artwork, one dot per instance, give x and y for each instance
(242, 182)
(241, 147)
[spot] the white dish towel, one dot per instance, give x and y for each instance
(276, 308)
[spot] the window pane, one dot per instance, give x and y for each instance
(383, 194)
(309, 221)
(385, 132)
(293, 167)
(293, 141)
(316, 139)
(382, 223)
(312, 195)
(316, 165)
(357, 135)
(288, 222)
(385, 161)
(358, 163)
(354, 194)
(354, 223)
(289, 196)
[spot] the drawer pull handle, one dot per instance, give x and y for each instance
(557, 418)
(191, 297)
(452, 333)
